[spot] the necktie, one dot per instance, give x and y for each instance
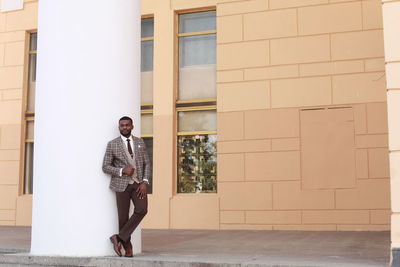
(129, 147)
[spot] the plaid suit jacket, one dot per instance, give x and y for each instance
(115, 158)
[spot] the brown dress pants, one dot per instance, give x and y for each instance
(128, 225)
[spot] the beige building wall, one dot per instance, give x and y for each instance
(302, 137)
(302, 124)
(15, 209)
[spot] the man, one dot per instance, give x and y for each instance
(127, 162)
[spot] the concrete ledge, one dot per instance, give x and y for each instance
(19, 260)
(29, 260)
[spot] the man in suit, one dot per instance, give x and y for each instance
(127, 161)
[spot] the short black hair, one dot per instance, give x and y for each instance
(126, 118)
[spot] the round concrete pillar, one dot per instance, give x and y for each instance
(391, 25)
(87, 78)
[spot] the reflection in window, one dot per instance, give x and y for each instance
(197, 153)
(197, 164)
(146, 127)
(149, 147)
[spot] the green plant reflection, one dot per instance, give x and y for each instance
(197, 164)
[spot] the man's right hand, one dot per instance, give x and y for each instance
(128, 170)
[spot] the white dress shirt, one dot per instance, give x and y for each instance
(124, 139)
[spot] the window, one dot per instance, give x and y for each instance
(196, 103)
(30, 116)
(147, 39)
(197, 56)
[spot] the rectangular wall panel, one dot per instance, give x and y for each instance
(327, 148)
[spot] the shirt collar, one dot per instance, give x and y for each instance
(124, 138)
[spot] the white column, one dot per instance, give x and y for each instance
(87, 78)
(391, 26)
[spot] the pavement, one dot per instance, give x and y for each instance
(227, 248)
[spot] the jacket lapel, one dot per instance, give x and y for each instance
(136, 149)
(124, 150)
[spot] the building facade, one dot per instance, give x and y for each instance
(258, 114)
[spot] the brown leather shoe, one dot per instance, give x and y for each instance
(117, 245)
(128, 252)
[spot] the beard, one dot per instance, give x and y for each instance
(126, 132)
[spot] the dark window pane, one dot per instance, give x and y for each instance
(197, 164)
(147, 56)
(147, 27)
(31, 82)
(33, 41)
(147, 61)
(32, 68)
(149, 147)
(30, 130)
(197, 22)
(28, 172)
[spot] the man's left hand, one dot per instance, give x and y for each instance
(142, 191)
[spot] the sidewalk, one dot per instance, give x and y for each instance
(221, 248)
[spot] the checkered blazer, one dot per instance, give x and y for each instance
(115, 158)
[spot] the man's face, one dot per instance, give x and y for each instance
(125, 127)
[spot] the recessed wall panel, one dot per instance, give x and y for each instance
(327, 148)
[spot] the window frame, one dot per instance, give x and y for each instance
(28, 115)
(191, 104)
(147, 107)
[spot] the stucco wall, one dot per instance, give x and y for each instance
(300, 84)
(13, 33)
(302, 116)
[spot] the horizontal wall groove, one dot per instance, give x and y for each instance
(4, 89)
(390, 1)
(374, 178)
(288, 180)
(296, 107)
(367, 134)
(304, 63)
(261, 139)
(307, 210)
(271, 151)
(303, 35)
(284, 8)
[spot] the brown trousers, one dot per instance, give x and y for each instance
(128, 225)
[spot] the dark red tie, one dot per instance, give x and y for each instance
(129, 147)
